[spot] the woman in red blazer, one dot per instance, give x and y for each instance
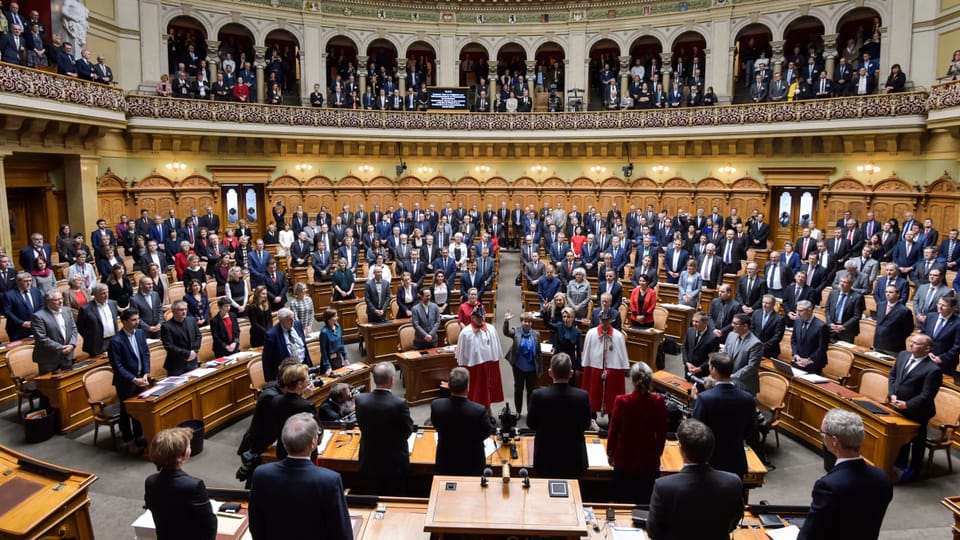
(637, 431)
(643, 300)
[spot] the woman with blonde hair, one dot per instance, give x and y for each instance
(78, 295)
(302, 306)
(178, 502)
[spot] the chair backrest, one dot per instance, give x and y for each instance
(874, 384)
(773, 391)
(20, 363)
(244, 334)
(362, 313)
(947, 402)
(98, 385)
(623, 313)
(205, 354)
(660, 315)
(158, 355)
(175, 292)
(839, 362)
(406, 336)
(868, 327)
(255, 372)
(314, 349)
(452, 328)
(394, 307)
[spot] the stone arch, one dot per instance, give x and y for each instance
(597, 38)
(196, 19)
(801, 31)
(870, 7)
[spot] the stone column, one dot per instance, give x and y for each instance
(152, 52)
(361, 72)
(731, 82)
(80, 180)
(586, 83)
(402, 75)
(6, 239)
(666, 61)
(305, 86)
(213, 59)
(531, 79)
(778, 56)
(456, 69)
(260, 62)
(624, 78)
(830, 53)
(322, 77)
(492, 81)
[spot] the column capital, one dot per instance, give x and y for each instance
(531, 66)
(213, 44)
(260, 57)
(401, 64)
(492, 64)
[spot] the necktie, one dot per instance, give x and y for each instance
(850, 236)
(766, 317)
(910, 365)
(727, 253)
(749, 286)
(803, 329)
(936, 330)
(836, 246)
(908, 249)
(889, 308)
(928, 299)
(28, 300)
(843, 300)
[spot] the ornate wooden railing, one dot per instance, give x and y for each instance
(39, 84)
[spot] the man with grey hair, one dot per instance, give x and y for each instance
(462, 427)
(285, 340)
(851, 499)
(337, 405)
(283, 494)
(97, 321)
(385, 423)
(560, 414)
(181, 339)
(55, 335)
(147, 302)
(809, 340)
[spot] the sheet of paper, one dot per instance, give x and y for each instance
(814, 378)
(546, 348)
(626, 533)
(786, 533)
(327, 435)
(845, 344)
(797, 372)
(154, 390)
(411, 440)
(597, 455)
(489, 447)
(355, 366)
(199, 372)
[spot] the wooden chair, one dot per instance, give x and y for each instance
(176, 291)
(255, 372)
(244, 334)
(394, 307)
(874, 384)
(452, 328)
(944, 424)
(772, 399)
(871, 308)
(22, 372)
(158, 355)
(839, 363)
(362, 319)
(407, 332)
(868, 327)
(205, 354)
(660, 315)
(103, 401)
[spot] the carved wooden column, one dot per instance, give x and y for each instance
(402, 75)
(362, 73)
(531, 78)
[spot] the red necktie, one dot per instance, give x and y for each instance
(850, 237)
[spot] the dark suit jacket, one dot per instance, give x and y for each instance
(848, 502)
(219, 332)
(385, 422)
(180, 506)
(277, 288)
(211, 222)
(731, 414)
(90, 327)
(917, 388)
(148, 316)
(813, 344)
(946, 346)
(179, 340)
(901, 284)
(698, 354)
(292, 487)
(370, 298)
(283, 407)
(721, 314)
(275, 350)
(754, 297)
(28, 255)
(718, 496)
(462, 426)
(125, 365)
(10, 51)
(892, 330)
(853, 309)
(559, 414)
(716, 272)
(17, 311)
(769, 335)
(616, 291)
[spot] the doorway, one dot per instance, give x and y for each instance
(793, 209)
(244, 201)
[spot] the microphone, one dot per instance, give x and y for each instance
(525, 474)
(487, 473)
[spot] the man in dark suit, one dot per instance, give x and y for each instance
(148, 304)
(698, 343)
(610, 284)
(891, 277)
(722, 309)
(291, 487)
(913, 385)
(732, 252)
(730, 413)
(300, 252)
(717, 495)
(711, 267)
(750, 289)
(36, 250)
(181, 340)
(19, 305)
(809, 340)
(97, 321)
(55, 335)
(894, 324)
(927, 295)
(906, 254)
(257, 264)
(845, 307)
(210, 220)
(759, 232)
(385, 422)
(130, 359)
(745, 351)
(768, 326)
(285, 340)
(462, 427)
(559, 414)
(606, 301)
(945, 330)
(818, 277)
(777, 274)
(377, 297)
(851, 499)
(8, 277)
(277, 286)
(12, 46)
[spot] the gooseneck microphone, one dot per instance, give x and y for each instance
(487, 473)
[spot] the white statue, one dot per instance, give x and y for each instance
(74, 18)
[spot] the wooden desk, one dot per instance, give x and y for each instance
(346, 375)
(953, 503)
(679, 319)
(402, 520)
(347, 316)
(322, 295)
(45, 507)
(382, 340)
(216, 399)
(678, 387)
(643, 344)
(423, 371)
(65, 392)
(807, 403)
(503, 509)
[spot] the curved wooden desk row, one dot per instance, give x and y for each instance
(342, 454)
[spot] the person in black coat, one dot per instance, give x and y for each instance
(698, 343)
(894, 324)
(731, 415)
(809, 340)
(179, 502)
(385, 423)
(293, 382)
(90, 324)
(559, 414)
(284, 495)
(226, 339)
(717, 495)
(913, 385)
(768, 326)
(851, 499)
(130, 360)
(462, 427)
(946, 345)
(797, 292)
(181, 339)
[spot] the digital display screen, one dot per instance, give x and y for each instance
(449, 99)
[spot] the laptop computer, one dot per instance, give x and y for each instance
(786, 369)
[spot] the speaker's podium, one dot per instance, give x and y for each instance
(460, 507)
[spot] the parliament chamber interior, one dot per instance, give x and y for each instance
(766, 183)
